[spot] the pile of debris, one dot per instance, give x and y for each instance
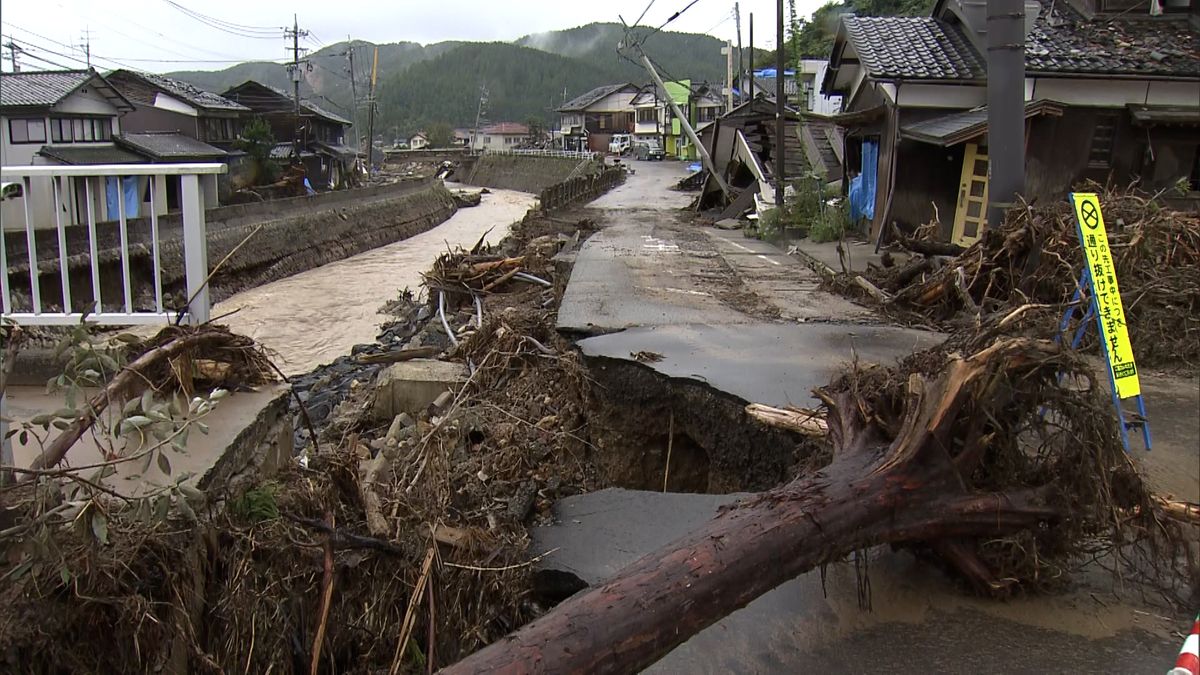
(1035, 259)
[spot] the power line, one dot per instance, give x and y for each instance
(252, 32)
(67, 46)
(229, 24)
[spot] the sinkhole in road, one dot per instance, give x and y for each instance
(654, 432)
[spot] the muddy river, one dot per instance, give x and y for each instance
(315, 316)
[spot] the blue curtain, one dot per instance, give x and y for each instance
(129, 186)
(862, 186)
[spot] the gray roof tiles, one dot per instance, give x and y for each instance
(39, 88)
(191, 93)
(1064, 41)
(169, 145)
(913, 48)
(583, 101)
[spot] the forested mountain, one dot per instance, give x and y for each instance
(423, 84)
(692, 56)
(521, 83)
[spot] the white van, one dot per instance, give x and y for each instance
(620, 143)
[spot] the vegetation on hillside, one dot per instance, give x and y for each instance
(521, 83)
(694, 56)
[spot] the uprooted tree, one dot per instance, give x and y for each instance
(985, 461)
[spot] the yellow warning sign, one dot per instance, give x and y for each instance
(1111, 313)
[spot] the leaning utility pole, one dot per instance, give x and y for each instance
(371, 112)
(1005, 105)
(294, 70)
(479, 112)
(687, 127)
(353, 94)
(779, 103)
(737, 20)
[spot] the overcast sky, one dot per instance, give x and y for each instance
(159, 36)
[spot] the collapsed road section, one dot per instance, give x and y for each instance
(401, 537)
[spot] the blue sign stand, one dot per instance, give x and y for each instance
(1084, 287)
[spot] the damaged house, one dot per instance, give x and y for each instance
(1112, 94)
(742, 144)
(329, 163)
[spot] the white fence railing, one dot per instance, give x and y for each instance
(565, 154)
(56, 199)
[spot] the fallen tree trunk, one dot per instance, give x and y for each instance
(910, 490)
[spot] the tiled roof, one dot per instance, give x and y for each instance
(506, 129)
(1064, 41)
(955, 128)
(91, 154)
(913, 48)
(191, 93)
(582, 102)
(169, 145)
(39, 88)
(283, 98)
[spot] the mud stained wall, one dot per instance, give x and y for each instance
(638, 416)
(298, 236)
(515, 172)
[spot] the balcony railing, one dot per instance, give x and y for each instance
(63, 202)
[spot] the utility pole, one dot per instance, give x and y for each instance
(353, 94)
(1005, 105)
(371, 112)
(294, 70)
(479, 113)
(728, 75)
(687, 127)
(737, 20)
(86, 46)
(779, 103)
(13, 50)
(751, 68)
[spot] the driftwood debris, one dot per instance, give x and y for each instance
(799, 420)
(924, 464)
(210, 351)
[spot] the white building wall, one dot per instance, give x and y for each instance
(818, 102)
(1112, 93)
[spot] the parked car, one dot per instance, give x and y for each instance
(648, 150)
(620, 143)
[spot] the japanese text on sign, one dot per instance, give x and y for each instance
(1110, 312)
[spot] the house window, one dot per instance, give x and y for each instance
(708, 114)
(27, 130)
(647, 115)
(217, 129)
(603, 122)
(80, 129)
(1103, 140)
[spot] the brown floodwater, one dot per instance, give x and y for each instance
(313, 317)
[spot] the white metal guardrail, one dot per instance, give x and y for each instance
(566, 154)
(69, 185)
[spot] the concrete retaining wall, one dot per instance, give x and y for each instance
(516, 172)
(583, 188)
(296, 235)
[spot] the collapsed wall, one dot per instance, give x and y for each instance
(525, 173)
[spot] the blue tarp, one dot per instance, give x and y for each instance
(770, 72)
(862, 186)
(129, 185)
